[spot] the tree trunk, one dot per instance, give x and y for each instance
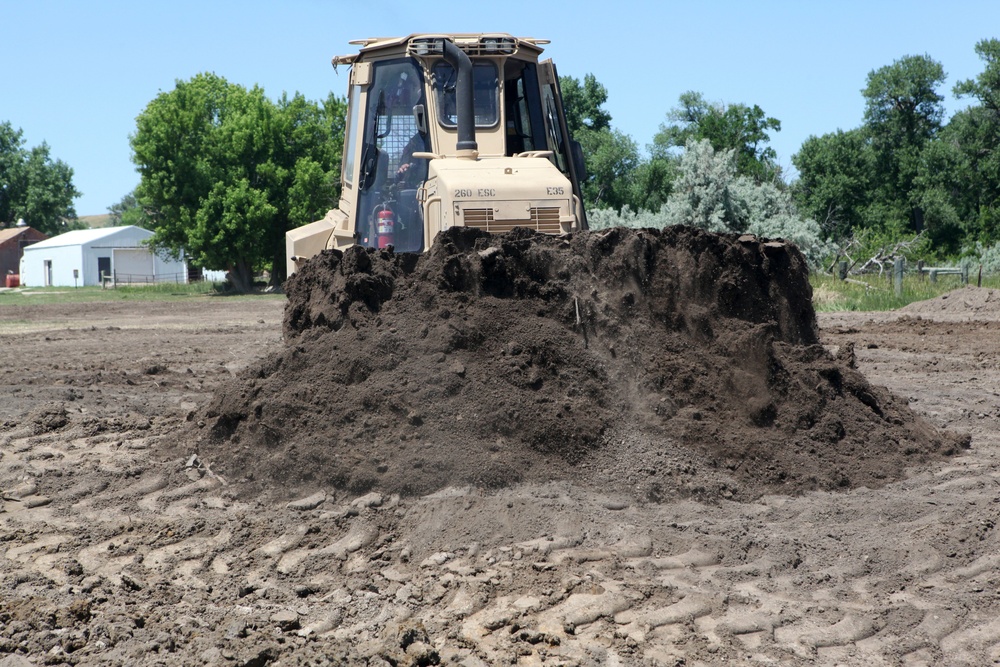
(241, 277)
(278, 268)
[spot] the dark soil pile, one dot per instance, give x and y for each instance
(658, 363)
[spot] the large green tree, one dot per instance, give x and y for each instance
(584, 104)
(225, 171)
(903, 113)
(33, 186)
(652, 182)
(893, 175)
(611, 157)
(976, 131)
(835, 175)
(736, 127)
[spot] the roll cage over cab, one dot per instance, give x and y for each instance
(449, 130)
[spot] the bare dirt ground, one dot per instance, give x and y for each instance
(113, 553)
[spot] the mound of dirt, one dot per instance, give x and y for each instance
(976, 301)
(650, 363)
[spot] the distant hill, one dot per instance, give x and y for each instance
(96, 221)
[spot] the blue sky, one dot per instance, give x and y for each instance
(75, 74)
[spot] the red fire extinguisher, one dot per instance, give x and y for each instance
(386, 228)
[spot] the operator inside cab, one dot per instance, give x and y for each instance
(388, 210)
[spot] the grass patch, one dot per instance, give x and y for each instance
(875, 292)
(161, 292)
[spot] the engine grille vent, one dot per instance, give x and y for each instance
(543, 219)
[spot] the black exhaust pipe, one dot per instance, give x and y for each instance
(464, 108)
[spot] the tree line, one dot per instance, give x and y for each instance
(225, 171)
(905, 172)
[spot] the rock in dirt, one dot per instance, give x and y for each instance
(15, 661)
(32, 502)
(308, 503)
(286, 619)
(674, 361)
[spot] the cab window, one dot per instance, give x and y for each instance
(352, 135)
(485, 95)
(525, 129)
(555, 137)
(389, 173)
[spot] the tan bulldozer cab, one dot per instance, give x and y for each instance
(449, 130)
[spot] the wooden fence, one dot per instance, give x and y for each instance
(932, 272)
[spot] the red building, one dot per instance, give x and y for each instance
(12, 243)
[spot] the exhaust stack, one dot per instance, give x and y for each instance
(467, 146)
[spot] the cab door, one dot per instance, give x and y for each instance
(568, 153)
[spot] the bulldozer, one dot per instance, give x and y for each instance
(449, 130)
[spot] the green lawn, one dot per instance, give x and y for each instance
(163, 292)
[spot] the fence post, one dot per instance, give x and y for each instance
(965, 274)
(897, 275)
(842, 269)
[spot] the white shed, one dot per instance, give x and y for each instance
(82, 256)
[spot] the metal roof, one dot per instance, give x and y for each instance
(86, 236)
(463, 40)
(14, 232)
